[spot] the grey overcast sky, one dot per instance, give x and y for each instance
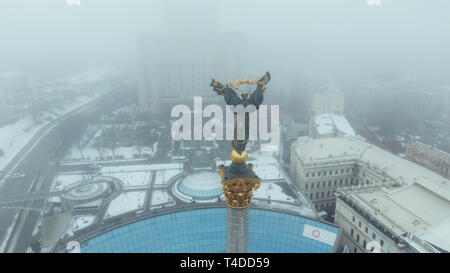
(340, 38)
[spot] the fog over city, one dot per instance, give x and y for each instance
(112, 121)
(345, 39)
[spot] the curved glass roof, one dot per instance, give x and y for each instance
(201, 184)
(205, 230)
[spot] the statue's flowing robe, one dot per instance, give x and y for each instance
(256, 99)
(231, 98)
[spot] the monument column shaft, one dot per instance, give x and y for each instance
(237, 230)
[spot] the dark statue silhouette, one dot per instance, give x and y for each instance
(231, 98)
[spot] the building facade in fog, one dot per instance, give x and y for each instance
(413, 217)
(326, 117)
(181, 60)
(3, 102)
(327, 99)
(426, 103)
(429, 157)
(320, 166)
(15, 91)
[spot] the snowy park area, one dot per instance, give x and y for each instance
(273, 191)
(13, 137)
(161, 197)
(79, 222)
(266, 166)
(62, 181)
(164, 176)
(126, 202)
(108, 142)
(133, 178)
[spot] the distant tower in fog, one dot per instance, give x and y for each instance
(3, 101)
(327, 99)
(182, 58)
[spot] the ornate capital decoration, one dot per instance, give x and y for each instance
(238, 183)
(239, 191)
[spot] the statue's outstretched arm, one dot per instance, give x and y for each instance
(231, 98)
(257, 97)
(263, 81)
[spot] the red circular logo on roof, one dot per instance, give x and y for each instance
(316, 233)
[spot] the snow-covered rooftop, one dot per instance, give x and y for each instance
(414, 208)
(329, 150)
(329, 123)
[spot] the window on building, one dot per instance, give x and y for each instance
(351, 233)
(355, 250)
(359, 224)
(312, 185)
(373, 236)
(346, 181)
(340, 182)
(381, 242)
(312, 174)
(366, 229)
(364, 244)
(311, 196)
(357, 238)
(328, 194)
(336, 172)
(306, 186)
(351, 181)
(324, 184)
(348, 170)
(323, 194)
(329, 183)
(330, 172)
(318, 173)
(307, 174)
(342, 170)
(353, 218)
(317, 195)
(335, 183)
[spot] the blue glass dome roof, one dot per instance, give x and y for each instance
(205, 230)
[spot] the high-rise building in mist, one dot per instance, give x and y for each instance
(3, 102)
(327, 99)
(180, 60)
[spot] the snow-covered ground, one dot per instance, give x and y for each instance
(160, 197)
(302, 210)
(90, 152)
(132, 179)
(13, 137)
(143, 167)
(64, 180)
(79, 222)
(163, 176)
(126, 202)
(91, 75)
(266, 166)
(273, 190)
(268, 172)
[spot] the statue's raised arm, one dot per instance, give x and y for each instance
(231, 98)
(258, 95)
